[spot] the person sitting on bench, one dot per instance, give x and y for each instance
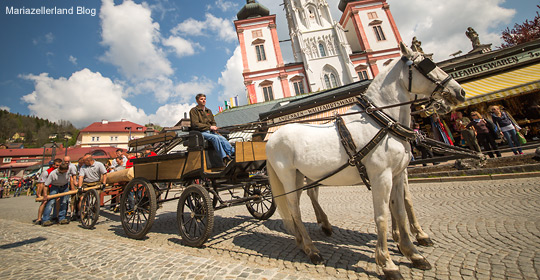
(202, 120)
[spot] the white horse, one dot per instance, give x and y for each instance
(296, 151)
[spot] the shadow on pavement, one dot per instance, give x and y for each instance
(22, 243)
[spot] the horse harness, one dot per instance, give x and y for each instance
(388, 125)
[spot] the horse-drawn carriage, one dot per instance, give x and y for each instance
(204, 180)
(324, 155)
(188, 169)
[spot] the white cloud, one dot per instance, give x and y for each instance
(49, 38)
(5, 108)
(168, 115)
(46, 39)
(87, 97)
(232, 80)
(181, 46)
(83, 98)
(161, 87)
(222, 27)
(222, 5)
(187, 90)
(73, 60)
(130, 35)
(441, 25)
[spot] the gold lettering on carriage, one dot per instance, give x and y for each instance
(315, 110)
(496, 64)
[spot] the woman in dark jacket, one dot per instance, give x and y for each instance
(507, 127)
(483, 134)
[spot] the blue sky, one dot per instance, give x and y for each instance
(146, 60)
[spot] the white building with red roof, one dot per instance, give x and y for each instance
(110, 134)
(14, 160)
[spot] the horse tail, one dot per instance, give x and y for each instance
(279, 199)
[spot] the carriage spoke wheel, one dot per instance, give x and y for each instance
(89, 209)
(261, 208)
(195, 215)
(138, 208)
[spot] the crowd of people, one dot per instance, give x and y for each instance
(18, 186)
(63, 176)
(479, 132)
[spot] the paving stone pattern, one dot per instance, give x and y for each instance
(481, 230)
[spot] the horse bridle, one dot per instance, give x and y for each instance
(425, 67)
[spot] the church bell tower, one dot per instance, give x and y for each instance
(372, 34)
(319, 43)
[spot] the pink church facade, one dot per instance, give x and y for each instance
(327, 53)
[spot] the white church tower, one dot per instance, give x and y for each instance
(320, 44)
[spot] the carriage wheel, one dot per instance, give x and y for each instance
(195, 215)
(89, 209)
(264, 207)
(138, 208)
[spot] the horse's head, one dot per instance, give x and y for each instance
(425, 78)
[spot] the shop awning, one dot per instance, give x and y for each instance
(515, 82)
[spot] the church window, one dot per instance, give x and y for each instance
(268, 95)
(327, 81)
(379, 33)
(372, 15)
(321, 50)
(261, 55)
(256, 33)
(333, 79)
(298, 87)
(363, 75)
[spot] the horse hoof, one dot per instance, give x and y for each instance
(422, 264)
(392, 275)
(327, 231)
(426, 242)
(399, 250)
(316, 258)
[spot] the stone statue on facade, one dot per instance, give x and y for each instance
(473, 36)
(416, 45)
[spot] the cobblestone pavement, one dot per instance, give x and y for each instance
(481, 230)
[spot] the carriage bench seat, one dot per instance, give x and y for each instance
(196, 142)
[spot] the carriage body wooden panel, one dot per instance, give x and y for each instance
(168, 167)
(250, 151)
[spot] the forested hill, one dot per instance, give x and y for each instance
(36, 130)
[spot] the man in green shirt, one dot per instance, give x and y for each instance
(203, 120)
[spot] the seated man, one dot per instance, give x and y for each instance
(202, 120)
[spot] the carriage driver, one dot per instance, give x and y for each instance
(202, 120)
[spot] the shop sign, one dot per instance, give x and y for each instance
(496, 64)
(315, 110)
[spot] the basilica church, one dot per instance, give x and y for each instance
(327, 53)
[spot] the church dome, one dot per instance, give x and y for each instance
(252, 9)
(343, 4)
